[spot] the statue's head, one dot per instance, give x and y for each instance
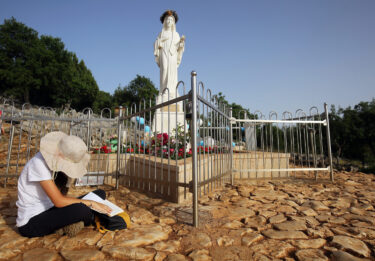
(167, 14)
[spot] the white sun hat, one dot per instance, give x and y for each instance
(65, 153)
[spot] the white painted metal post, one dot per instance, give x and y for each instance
(194, 146)
(231, 144)
(118, 147)
(329, 142)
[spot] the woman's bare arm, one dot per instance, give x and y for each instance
(59, 200)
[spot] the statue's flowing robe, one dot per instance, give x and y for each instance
(168, 57)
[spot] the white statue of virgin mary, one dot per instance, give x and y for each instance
(168, 50)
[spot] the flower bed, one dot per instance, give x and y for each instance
(162, 145)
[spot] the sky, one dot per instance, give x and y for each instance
(266, 55)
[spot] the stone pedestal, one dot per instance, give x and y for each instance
(168, 117)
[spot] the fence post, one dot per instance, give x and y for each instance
(9, 151)
(118, 147)
(88, 138)
(71, 127)
(231, 145)
(194, 146)
(329, 142)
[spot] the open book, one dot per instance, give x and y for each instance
(115, 209)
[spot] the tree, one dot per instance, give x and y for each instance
(338, 129)
(353, 133)
(102, 100)
(19, 60)
(41, 71)
(238, 111)
(139, 89)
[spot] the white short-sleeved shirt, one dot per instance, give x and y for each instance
(32, 200)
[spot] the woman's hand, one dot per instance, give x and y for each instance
(99, 207)
(60, 200)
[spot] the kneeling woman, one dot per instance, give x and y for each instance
(43, 206)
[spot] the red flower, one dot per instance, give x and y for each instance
(105, 149)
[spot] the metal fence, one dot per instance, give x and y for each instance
(298, 143)
(170, 156)
(22, 129)
(178, 149)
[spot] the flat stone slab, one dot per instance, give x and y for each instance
(87, 237)
(287, 234)
(82, 255)
(11, 240)
(255, 222)
(241, 212)
(352, 244)
(40, 254)
(319, 231)
(143, 217)
(129, 253)
(290, 225)
(200, 255)
(6, 254)
(141, 236)
(311, 255)
(171, 246)
(344, 256)
(331, 219)
(309, 212)
(176, 257)
(286, 209)
(273, 248)
(107, 239)
(251, 238)
(318, 206)
(233, 225)
(277, 219)
(203, 240)
(268, 194)
(224, 241)
(309, 221)
(310, 243)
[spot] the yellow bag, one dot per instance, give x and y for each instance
(106, 223)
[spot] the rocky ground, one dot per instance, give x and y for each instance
(295, 219)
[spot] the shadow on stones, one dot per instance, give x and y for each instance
(185, 216)
(8, 212)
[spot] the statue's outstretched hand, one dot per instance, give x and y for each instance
(182, 42)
